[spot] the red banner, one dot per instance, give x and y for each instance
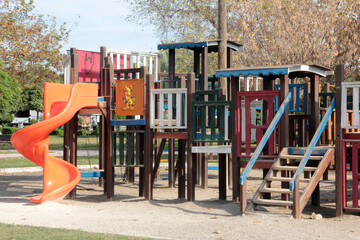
(89, 66)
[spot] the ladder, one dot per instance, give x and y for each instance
(275, 189)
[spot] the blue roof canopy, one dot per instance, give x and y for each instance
(298, 70)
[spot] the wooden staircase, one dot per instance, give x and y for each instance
(275, 188)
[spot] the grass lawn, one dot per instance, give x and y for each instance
(84, 142)
(18, 232)
(23, 162)
(57, 143)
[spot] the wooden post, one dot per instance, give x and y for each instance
(143, 73)
(73, 147)
(181, 156)
(109, 169)
(204, 69)
(190, 159)
(172, 71)
(234, 138)
(315, 111)
(296, 206)
(222, 15)
(181, 168)
(339, 74)
(197, 52)
(70, 137)
(314, 123)
(102, 117)
(171, 65)
(284, 127)
(148, 140)
(243, 202)
(284, 121)
(222, 176)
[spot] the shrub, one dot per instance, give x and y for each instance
(57, 132)
(33, 121)
(95, 131)
(9, 130)
(81, 132)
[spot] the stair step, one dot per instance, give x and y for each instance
(294, 168)
(272, 202)
(285, 179)
(286, 156)
(275, 190)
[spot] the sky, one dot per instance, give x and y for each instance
(95, 23)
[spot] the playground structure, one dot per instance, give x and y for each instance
(284, 129)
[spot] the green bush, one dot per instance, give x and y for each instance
(33, 121)
(95, 131)
(81, 132)
(57, 132)
(9, 130)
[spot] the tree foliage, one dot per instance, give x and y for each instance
(30, 43)
(323, 32)
(32, 99)
(9, 97)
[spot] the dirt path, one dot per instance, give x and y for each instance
(166, 216)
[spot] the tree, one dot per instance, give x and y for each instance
(30, 43)
(32, 99)
(9, 97)
(323, 32)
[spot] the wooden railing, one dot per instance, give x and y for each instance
(129, 144)
(247, 125)
(298, 102)
(350, 121)
(172, 108)
(216, 127)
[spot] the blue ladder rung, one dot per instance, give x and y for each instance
(159, 179)
(92, 174)
(213, 168)
(128, 122)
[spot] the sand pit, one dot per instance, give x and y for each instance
(168, 217)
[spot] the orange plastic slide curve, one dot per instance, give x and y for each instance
(61, 103)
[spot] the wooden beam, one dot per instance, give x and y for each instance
(157, 160)
(170, 135)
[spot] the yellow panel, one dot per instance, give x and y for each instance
(129, 97)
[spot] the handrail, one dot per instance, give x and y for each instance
(265, 138)
(312, 144)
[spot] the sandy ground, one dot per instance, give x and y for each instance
(168, 217)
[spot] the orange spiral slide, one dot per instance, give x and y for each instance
(61, 103)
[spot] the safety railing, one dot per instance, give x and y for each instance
(214, 127)
(298, 102)
(350, 122)
(171, 104)
(127, 147)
